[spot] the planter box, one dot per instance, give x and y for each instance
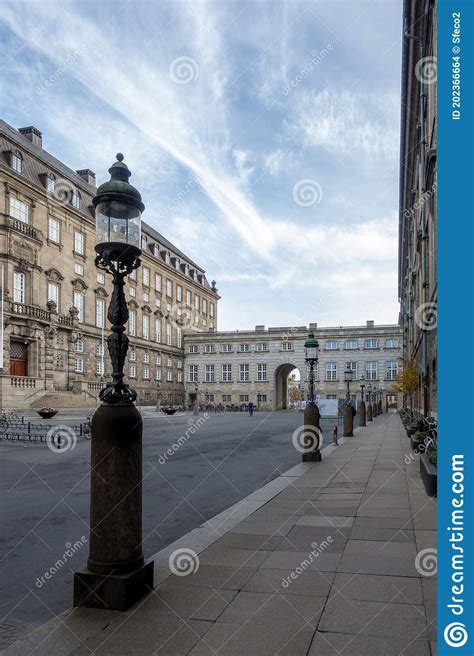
(169, 411)
(429, 476)
(47, 415)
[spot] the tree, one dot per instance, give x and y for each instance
(406, 381)
(294, 392)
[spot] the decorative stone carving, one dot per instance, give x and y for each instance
(54, 275)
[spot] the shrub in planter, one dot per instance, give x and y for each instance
(47, 413)
(429, 471)
(418, 441)
(411, 429)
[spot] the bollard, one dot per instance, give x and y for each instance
(369, 412)
(348, 421)
(311, 433)
(362, 414)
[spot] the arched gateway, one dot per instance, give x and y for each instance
(281, 385)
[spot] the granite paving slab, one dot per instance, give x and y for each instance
(344, 644)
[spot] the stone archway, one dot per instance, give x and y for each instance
(281, 385)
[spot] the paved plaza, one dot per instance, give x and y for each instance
(330, 558)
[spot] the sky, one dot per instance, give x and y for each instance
(263, 137)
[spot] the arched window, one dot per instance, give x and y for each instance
(76, 199)
(17, 161)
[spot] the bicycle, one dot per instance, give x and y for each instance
(10, 417)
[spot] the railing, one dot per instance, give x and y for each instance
(22, 382)
(27, 431)
(23, 228)
(94, 387)
(38, 313)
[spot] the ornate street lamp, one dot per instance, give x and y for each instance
(369, 399)
(116, 575)
(158, 397)
(348, 410)
(311, 435)
(362, 410)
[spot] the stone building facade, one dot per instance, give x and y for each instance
(236, 367)
(55, 300)
(418, 199)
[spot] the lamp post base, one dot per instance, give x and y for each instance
(112, 591)
(348, 421)
(312, 456)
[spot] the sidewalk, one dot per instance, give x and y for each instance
(324, 560)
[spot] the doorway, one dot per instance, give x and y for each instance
(18, 359)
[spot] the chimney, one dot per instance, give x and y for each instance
(370, 324)
(33, 134)
(313, 327)
(88, 176)
(259, 329)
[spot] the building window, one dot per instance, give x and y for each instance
(132, 371)
(76, 199)
(226, 398)
(53, 230)
(392, 370)
(331, 371)
(169, 361)
(261, 372)
(100, 312)
(158, 359)
(179, 338)
(204, 306)
(158, 302)
(196, 302)
(78, 302)
(209, 348)
(19, 210)
(133, 292)
(79, 269)
(227, 373)
(169, 288)
(132, 323)
(244, 398)
(132, 356)
(179, 363)
(209, 398)
(146, 373)
(157, 330)
(226, 348)
(157, 282)
(193, 348)
(79, 346)
(193, 373)
(53, 293)
(371, 370)
(146, 326)
(50, 183)
(17, 161)
(244, 373)
(146, 276)
(261, 398)
(18, 287)
(158, 374)
(79, 242)
(146, 357)
(353, 367)
(168, 334)
(211, 309)
(286, 346)
(331, 345)
(101, 278)
(210, 375)
(146, 297)
(99, 367)
(391, 343)
(133, 275)
(351, 344)
(179, 377)
(244, 348)
(261, 346)
(169, 375)
(79, 365)
(179, 293)
(144, 242)
(100, 349)
(371, 343)
(188, 298)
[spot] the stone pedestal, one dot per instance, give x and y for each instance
(362, 413)
(311, 433)
(380, 407)
(369, 412)
(116, 571)
(348, 421)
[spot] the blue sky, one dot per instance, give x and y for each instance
(262, 135)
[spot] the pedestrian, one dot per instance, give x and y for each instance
(334, 434)
(250, 406)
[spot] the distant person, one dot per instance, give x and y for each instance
(250, 407)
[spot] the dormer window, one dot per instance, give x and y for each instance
(76, 199)
(144, 242)
(186, 269)
(17, 161)
(167, 257)
(50, 183)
